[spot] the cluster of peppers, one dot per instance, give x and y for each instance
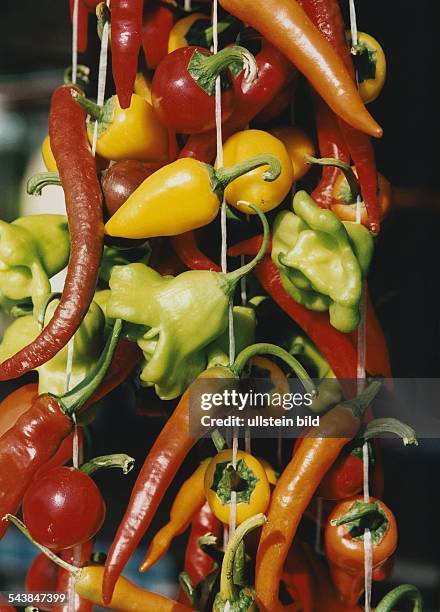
(142, 300)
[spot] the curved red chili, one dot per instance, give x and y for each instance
(77, 169)
(197, 563)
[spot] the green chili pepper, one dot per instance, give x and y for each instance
(181, 316)
(32, 249)
(322, 260)
(89, 341)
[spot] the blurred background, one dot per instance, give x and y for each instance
(35, 47)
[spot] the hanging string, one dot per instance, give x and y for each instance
(102, 76)
(75, 41)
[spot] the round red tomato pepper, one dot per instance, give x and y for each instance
(63, 508)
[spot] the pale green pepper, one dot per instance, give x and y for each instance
(32, 250)
(88, 344)
(322, 261)
(245, 323)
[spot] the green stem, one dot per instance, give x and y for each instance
(42, 308)
(404, 591)
(359, 404)
(377, 427)
(92, 109)
(188, 588)
(121, 461)
(228, 591)
(264, 348)
(362, 510)
(223, 176)
(351, 177)
(230, 280)
(72, 401)
(218, 440)
(52, 556)
(36, 183)
(205, 68)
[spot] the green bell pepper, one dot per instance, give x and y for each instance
(322, 261)
(32, 250)
(88, 344)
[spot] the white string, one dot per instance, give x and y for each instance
(75, 41)
(187, 6)
(353, 23)
(102, 77)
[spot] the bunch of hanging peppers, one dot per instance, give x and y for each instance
(190, 141)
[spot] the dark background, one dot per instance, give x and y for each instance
(404, 280)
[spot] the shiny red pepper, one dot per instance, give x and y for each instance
(197, 563)
(157, 24)
(126, 29)
(185, 246)
(83, 24)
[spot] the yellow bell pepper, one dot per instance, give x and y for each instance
(180, 197)
(248, 479)
(48, 158)
(297, 144)
(177, 38)
(372, 73)
(131, 133)
(252, 187)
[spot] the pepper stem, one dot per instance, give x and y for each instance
(228, 591)
(390, 425)
(264, 348)
(205, 68)
(52, 556)
(42, 308)
(359, 404)
(362, 510)
(408, 591)
(73, 400)
(218, 440)
(231, 278)
(121, 461)
(351, 177)
(224, 176)
(92, 109)
(36, 183)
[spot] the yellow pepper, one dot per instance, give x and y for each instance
(177, 38)
(131, 133)
(142, 87)
(372, 72)
(252, 187)
(188, 501)
(48, 158)
(248, 479)
(180, 197)
(298, 144)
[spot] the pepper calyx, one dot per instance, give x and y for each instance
(359, 404)
(205, 68)
(120, 460)
(36, 183)
(104, 115)
(351, 177)
(362, 516)
(228, 478)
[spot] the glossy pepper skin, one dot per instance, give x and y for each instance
(126, 28)
(345, 547)
(334, 281)
(287, 27)
(32, 250)
(296, 487)
(161, 464)
(253, 497)
(297, 144)
(83, 197)
(189, 500)
(157, 23)
(178, 35)
(371, 85)
(197, 563)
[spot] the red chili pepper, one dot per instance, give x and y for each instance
(77, 169)
(331, 144)
(164, 260)
(14, 404)
(327, 17)
(185, 246)
(63, 454)
(157, 24)
(299, 580)
(249, 246)
(126, 28)
(83, 24)
(274, 71)
(197, 563)
(377, 354)
(66, 584)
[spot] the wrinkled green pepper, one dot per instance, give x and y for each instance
(245, 323)
(89, 341)
(322, 260)
(32, 250)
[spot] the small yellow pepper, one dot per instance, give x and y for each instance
(188, 501)
(252, 187)
(131, 133)
(48, 158)
(177, 38)
(298, 144)
(372, 72)
(142, 87)
(180, 197)
(248, 479)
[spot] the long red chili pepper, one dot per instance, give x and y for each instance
(331, 144)
(327, 17)
(157, 24)
(197, 563)
(185, 246)
(77, 169)
(126, 28)
(274, 71)
(83, 24)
